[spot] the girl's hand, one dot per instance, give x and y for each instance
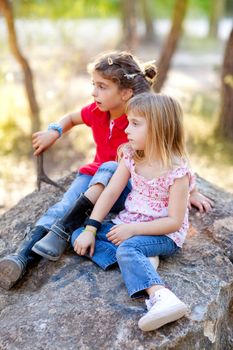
(201, 202)
(120, 233)
(42, 140)
(85, 241)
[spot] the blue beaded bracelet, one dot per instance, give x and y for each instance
(57, 127)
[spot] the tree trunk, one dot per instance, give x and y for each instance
(216, 12)
(6, 9)
(226, 114)
(148, 20)
(171, 43)
(129, 24)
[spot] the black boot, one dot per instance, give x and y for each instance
(54, 243)
(13, 267)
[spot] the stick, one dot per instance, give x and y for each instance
(42, 177)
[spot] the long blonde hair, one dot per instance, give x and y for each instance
(164, 117)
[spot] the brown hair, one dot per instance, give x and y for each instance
(165, 137)
(125, 70)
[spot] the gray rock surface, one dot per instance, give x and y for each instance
(72, 304)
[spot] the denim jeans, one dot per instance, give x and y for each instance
(131, 256)
(78, 186)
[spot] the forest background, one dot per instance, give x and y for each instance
(58, 38)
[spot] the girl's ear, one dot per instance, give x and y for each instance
(126, 94)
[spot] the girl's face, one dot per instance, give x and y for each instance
(107, 95)
(137, 131)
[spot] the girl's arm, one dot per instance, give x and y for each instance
(178, 199)
(102, 207)
(42, 140)
(111, 193)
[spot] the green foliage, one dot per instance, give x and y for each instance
(211, 156)
(200, 7)
(13, 140)
(98, 8)
(66, 9)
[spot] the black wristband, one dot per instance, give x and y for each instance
(92, 222)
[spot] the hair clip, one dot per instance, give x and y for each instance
(130, 76)
(110, 61)
(152, 62)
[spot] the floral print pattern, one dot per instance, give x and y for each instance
(148, 199)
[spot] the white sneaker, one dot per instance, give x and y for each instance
(163, 307)
(154, 260)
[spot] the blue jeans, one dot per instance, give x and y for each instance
(78, 186)
(133, 252)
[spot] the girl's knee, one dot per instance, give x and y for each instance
(104, 174)
(108, 166)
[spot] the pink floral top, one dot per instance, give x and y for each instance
(148, 199)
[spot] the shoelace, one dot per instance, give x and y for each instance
(150, 302)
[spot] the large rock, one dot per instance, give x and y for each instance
(72, 304)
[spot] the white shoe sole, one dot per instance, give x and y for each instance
(151, 322)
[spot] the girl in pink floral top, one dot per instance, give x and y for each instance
(149, 199)
(155, 219)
